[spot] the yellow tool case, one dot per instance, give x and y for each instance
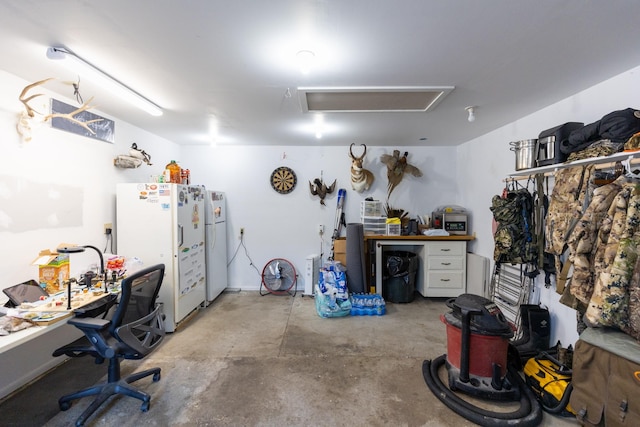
(551, 383)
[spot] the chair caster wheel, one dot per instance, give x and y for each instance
(64, 406)
(156, 377)
(144, 407)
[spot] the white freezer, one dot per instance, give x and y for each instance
(216, 243)
(164, 223)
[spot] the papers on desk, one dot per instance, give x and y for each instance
(41, 318)
(45, 319)
(58, 302)
(12, 324)
(435, 232)
(54, 308)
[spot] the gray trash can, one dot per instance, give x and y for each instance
(399, 278)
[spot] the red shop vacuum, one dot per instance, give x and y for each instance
(478, 364)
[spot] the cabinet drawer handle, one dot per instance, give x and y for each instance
(445, 263)
(445, 280)
(445, 250)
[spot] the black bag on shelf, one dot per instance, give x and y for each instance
(617, 126)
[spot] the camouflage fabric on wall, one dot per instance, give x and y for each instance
(515, 241)
(634, 302)
(614, 295)
(569, 199)
(609, 238)
(633, 143)
(583, 242)
(601, 148)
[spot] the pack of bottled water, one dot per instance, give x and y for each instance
(367, 305)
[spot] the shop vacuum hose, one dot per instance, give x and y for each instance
(529, 414)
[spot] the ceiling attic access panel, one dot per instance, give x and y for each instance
(371, 99)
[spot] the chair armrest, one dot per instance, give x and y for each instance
(95, 308)
(89, 323)
(96, 331)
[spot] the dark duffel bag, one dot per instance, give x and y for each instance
(617, 126)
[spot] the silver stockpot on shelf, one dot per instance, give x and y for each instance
(526, 153)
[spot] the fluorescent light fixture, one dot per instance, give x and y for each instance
(85, 69)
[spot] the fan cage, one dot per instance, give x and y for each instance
(280, 272)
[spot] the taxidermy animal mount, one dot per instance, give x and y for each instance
(24, 120)
(361, 178)
(318, 188)
(134, 159)
(24, 128)
(396, 168)
(134, 151)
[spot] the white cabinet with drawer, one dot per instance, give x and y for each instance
(445, 269)
(443, 265)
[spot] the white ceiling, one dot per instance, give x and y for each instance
(235, 59)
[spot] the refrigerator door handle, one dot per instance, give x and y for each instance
(180, 235)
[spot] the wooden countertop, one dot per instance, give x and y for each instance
(419, 237)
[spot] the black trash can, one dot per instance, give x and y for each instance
(399, 278)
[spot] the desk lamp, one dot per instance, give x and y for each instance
(77, 249)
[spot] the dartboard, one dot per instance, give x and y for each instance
(283, 180)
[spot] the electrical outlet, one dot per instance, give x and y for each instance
(321, 228)
(108, 228)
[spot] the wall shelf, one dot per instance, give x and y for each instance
(600, 162)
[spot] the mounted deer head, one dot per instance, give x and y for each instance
(361, 179)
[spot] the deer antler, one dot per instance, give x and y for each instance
(69, 116)
(25, 101)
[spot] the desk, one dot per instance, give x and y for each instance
(14, 339)
(7, 342)
(442, 271)
(26, 354)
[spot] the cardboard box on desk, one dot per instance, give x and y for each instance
(340, 251)
(53, 269)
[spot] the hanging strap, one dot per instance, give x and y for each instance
(539, 217)
(561, 279)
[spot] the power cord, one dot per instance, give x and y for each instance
(321, 234)
(246, 252)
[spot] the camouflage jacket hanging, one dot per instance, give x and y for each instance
(609, 305)
(569, 198)
(583, 241)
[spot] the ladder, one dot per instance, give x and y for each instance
(510, 287)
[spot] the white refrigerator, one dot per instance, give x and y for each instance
(164, 223)
(216, 243)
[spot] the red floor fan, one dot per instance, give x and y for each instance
(279, 277)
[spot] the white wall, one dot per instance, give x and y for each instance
(485, 162)
(59, 187)
(286, 226)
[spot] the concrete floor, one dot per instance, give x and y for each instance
(251, 360)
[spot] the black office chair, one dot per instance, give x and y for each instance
(135, 330)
